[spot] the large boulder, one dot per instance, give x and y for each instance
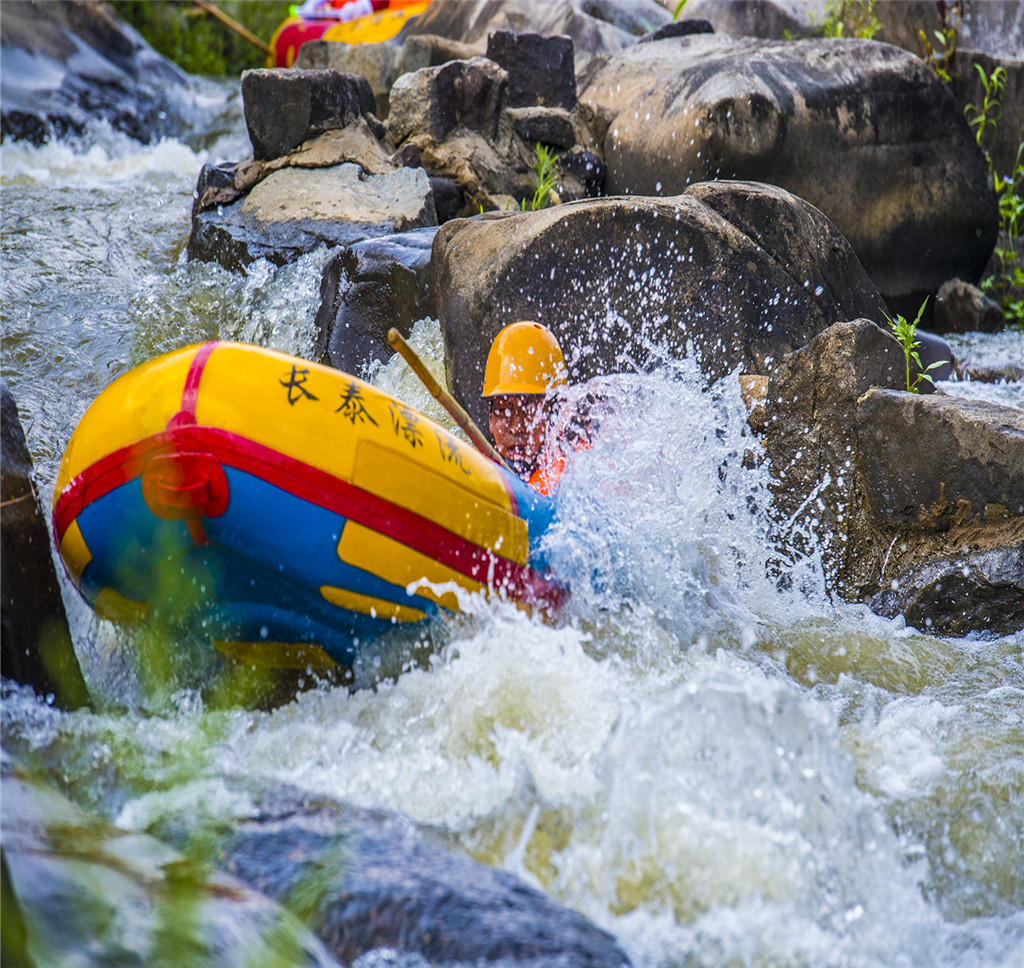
(738, 274)
(864, 131)
(595, 26)
(990, 34)
(892, 490)
(63, 64)
(34, 634)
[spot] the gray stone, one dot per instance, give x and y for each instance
(624, 282)
(540, 69)
(963, 308)
(921, 456)
(980, 592)
(366, 289)
(368, 880)
(36, 643)
(284, 108)
(546, 126)
(293, 210)
(863, 131)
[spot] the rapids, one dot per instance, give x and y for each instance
(716, 771)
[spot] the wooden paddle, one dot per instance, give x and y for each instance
(442, 396)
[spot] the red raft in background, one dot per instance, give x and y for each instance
(344, 21)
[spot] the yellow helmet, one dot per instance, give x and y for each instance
(525, 358)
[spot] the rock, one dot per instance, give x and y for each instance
(92, 895)
(737, 273)
(680, 28)
(863, 131)
(435, 101)
(595, 26)
(951, 456)
(982, 592)
(381, 64)
(456, 118)
(366, 289)
(285, 108)
(36, 642)
(65, 64)
(894, 490)
(540, 69)
(810, 442)
(293, 210)
(963, 308)
(367, 880)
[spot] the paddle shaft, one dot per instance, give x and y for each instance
(232, 24)
(442, 396)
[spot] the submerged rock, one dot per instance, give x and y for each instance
(863, 131)
(365, 880)
(36, 641)
(735, 273)
(65, 64)
(89, 894)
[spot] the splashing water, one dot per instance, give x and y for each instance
(716, 771)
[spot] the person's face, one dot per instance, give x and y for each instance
(518, 424)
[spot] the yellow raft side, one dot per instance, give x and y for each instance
(137, 404)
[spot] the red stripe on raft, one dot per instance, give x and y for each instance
(190, 392)
(315, 486)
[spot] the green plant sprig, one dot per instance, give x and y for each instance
(906, 333)
(545, 174)
(940, 56)
(857, 16)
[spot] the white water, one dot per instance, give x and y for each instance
(717, 772)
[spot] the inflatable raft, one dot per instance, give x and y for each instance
(344, 21)
(285, 511)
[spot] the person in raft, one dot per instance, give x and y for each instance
(533, 426)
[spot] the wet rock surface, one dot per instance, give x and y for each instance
(896, 490)
(36, 641)
(65, 64)
(736, 273)
(865, 132)
(369, 880)
(368, 288)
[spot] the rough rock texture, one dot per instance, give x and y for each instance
(293, 210)
(952, 452)
(64, 64)
(540, 69)
(464, 127)
(891, 519)
(963, 308)
(736, 273)
(991, 32)
(976, 592)
(864, 131)
(370, 880)
(365, 290)
(284, 108)
(36, 642)
(382, 63)
(811, 445)
(595, 26)
(90, 894)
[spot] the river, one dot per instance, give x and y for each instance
(716, 771)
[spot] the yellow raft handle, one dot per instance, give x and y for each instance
(442, 396)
